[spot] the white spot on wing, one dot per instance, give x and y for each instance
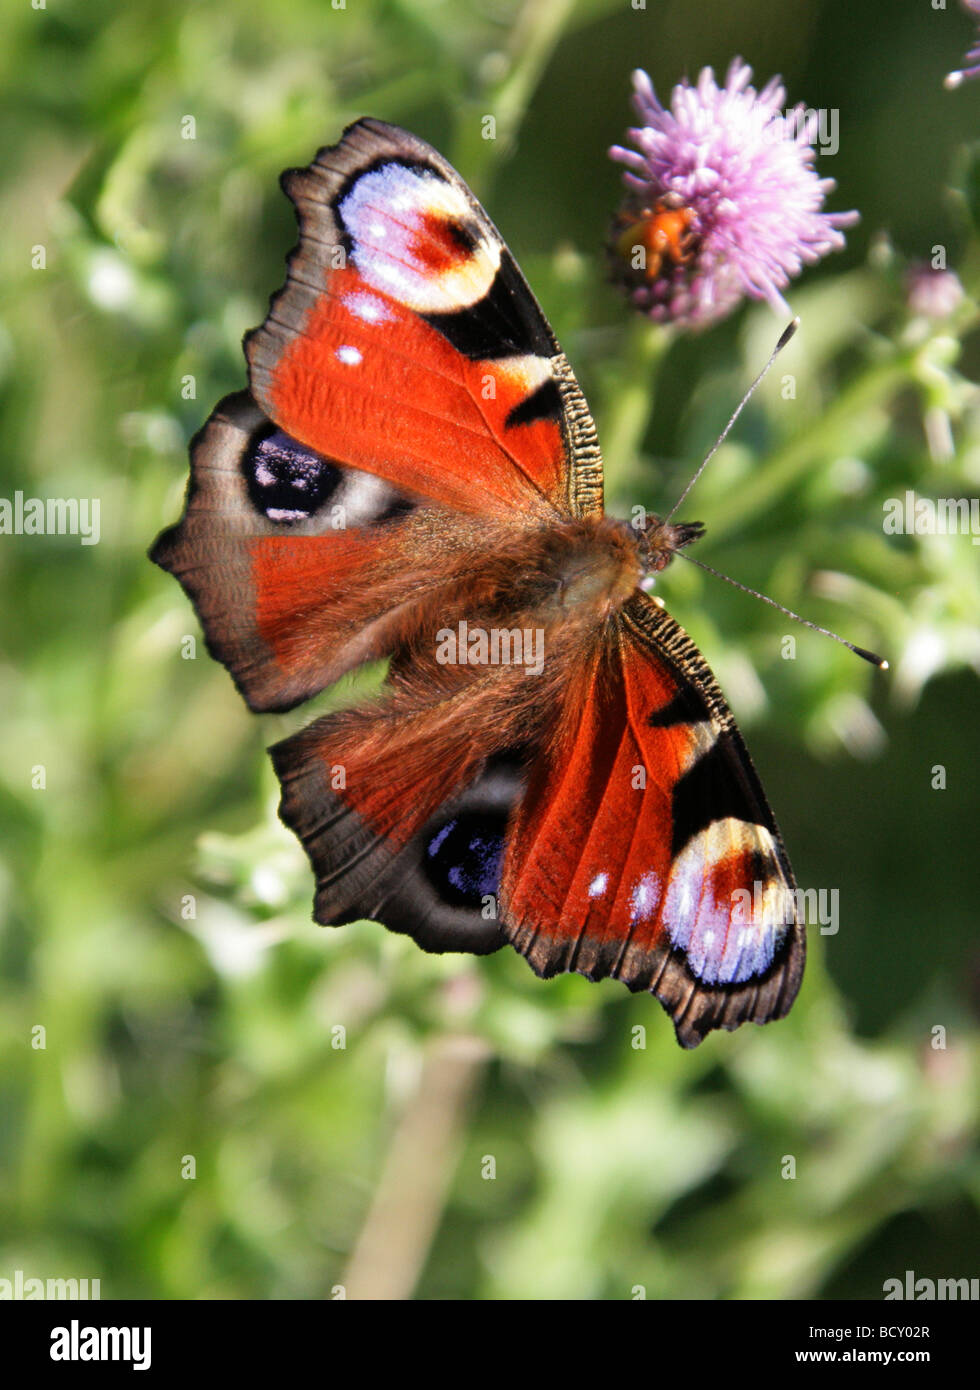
(350, 356)
(367, 307)
(598, 885)
(645, 897)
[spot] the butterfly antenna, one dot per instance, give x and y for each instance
(862, 652)
(784, 338)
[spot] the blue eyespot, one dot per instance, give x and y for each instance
(286, 481)
(463, 858)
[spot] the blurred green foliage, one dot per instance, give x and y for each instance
(496, 1136)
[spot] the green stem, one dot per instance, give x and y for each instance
(536, 33)
(630, 398)
(539, 27)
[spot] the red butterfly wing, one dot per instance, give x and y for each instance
(405, 369)
(407, 343)
(300, 569)
(644, 847)
(403, 809)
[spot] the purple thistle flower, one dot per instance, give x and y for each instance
(723, 199)
(972, 68)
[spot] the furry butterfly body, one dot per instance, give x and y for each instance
(414, 475)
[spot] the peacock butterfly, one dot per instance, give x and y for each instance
(414, 475)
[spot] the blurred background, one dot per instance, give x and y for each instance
(231, 1102)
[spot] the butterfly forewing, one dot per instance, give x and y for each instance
(406, 341)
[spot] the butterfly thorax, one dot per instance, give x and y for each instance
(579, 572)
(597, 564)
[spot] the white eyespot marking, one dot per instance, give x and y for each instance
(645, 897)
(351, 356)
(363, 497)
(414, 235)
(385, 271)
(264, 475)
(367, 307)
(598, 885)
(725, 941)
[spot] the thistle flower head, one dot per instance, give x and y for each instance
(723, 200)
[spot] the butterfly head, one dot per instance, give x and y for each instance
(660, 540)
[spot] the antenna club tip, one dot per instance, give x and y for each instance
(872, 657)
(787, 333)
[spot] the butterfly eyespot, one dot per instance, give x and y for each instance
(463, 858)
(286, 481)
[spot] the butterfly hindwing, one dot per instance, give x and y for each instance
(403, 810)
(644, 848)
